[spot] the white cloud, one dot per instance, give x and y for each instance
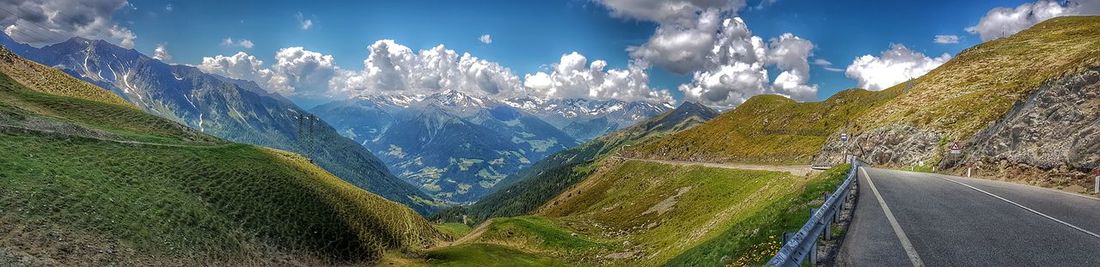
(42, 22)
(680, 47)
(946, 39)
(737, 68)
(894, 66)
(486, 39)
(296, 72)
(238, 66)
(244, 43)
(394, 68)
(304, 23)
(574, 77)
(1003, 21)
(161, 53)
(822, 62)
(728, 64)
(684, 33)
(169, 7)
(789, 54)
(832, 69)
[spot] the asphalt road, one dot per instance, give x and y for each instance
(940, 220)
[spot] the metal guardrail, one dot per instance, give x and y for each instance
(804, 243)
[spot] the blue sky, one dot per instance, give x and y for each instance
(529, 36)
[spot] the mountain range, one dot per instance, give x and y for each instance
(236, 110)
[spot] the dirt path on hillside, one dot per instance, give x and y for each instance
(799, 170)
(480, 229)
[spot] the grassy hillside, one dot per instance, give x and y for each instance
(44, 79)
(640, 213)
(522, 193)
(979, 85)
(765, 129)
(100, 183)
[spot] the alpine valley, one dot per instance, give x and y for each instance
(458, 146)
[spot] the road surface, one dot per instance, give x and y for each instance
(919, 219)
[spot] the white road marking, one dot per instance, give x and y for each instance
(908, 246)
(1023, 207)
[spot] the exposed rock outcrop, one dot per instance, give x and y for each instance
(892, 145)
(1055, 130)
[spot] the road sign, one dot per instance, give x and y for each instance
(955, 149)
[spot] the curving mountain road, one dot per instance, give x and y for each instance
(921, 219)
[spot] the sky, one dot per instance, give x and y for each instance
(718, 52)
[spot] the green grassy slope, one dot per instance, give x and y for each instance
(485, 255)
(765, 129)
(640, 213)
(44, 79)
(522, 193)
(99, 183)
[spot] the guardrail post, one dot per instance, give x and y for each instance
(813, 255)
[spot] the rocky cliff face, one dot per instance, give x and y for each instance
(892, 145)
(1055, 131)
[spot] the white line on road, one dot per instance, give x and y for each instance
(908, 246)
(1023, 207)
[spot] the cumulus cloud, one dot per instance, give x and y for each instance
(296, 72)
(42, 22)
(685, 29)
(681, 47)
(1003, 21)
(394, 68)
(789, 54)
(736, 68)
(894, 66)
(727, 62)
(946, 39)
(574, 77)
(244, 43)
(304, 23)
(161, 52)
(238, 66)
(486, 39)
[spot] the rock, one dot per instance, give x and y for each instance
(1054, 129)
(893, 145)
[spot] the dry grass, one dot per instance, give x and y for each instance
(982, 83)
